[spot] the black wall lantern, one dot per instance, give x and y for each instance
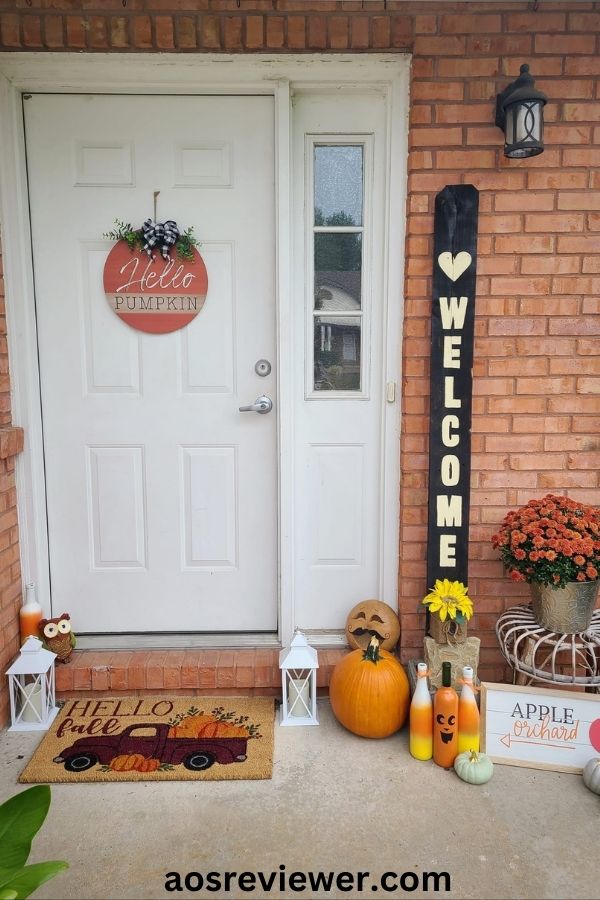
(520, 115)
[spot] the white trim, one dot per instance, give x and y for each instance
(151, 73)
(393, 268)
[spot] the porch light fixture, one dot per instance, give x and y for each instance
(31, 688)
(299, 664)
(520, 115)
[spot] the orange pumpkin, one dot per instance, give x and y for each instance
(369, 692)
(148, 765)
(126, 762)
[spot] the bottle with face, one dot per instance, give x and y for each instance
(445, 721)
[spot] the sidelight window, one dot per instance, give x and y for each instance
(337, 263)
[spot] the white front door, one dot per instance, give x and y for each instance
(161, 495)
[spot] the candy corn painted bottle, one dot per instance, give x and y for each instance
(421, 717)
(30, 614)
(468, 715)
(445, 721)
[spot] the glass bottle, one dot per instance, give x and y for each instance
(445, 721)
(421, 717)
(30, 614)
(468, 715)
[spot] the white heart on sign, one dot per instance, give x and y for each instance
(453, 267)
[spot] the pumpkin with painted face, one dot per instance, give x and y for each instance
(372, 618)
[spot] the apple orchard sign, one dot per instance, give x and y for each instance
(452, 331)
(154, 293)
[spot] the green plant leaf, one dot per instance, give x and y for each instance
(7, 894)
(23, 882)
(21, 817)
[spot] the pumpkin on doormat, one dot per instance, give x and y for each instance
(369, 692)
(372, 617)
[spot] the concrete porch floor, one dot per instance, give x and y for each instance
(336, 803)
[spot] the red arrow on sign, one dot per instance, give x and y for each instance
(508, 739)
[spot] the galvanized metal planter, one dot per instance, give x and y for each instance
(568, 609)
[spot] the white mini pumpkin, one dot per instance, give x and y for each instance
(474, 768)
(591, 774)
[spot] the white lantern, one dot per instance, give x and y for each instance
(299, 664)
(31, 686)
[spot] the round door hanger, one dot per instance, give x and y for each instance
(151, 293)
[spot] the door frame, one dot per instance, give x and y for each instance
(275, 75)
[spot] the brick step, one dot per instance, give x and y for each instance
(141, 672)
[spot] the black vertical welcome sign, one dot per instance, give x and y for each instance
(452, 332)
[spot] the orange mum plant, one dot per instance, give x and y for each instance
(553, 541)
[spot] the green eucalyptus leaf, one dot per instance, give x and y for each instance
(25, 881)
(21, 817)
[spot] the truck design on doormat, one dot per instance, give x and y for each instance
(194, 739)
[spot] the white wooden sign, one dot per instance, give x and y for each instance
(538, 728)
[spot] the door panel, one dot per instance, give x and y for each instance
(161, 495)
(340, 166)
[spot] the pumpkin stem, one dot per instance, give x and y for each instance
(372, 651)
(474, 757)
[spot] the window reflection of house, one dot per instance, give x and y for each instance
(337, 336)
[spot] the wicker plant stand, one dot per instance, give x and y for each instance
(539, 655)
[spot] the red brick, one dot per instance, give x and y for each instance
(275, 39)
(435, 137)
(544, 265)
(232, 33)
(9, 30)
(76, 32)
(426, 24)
(462, 159)
(296, 32)
(563, 43)
(98, 35)
(573, 405)
(443, 45)
(567, 134)
(581, 112)
(381, 33)
(359, 32)
(468, 67)
(588, 386)
(211, 33)
(317, 32)
(402, 32)
(142, 32)
(53, 32)
(567, 88)
(185, 30)
(582, 65)
(119, 32)
(554, 222)
(536, 22)
(505, 45)
(338, 33)
(254, 32)
(424, 90)
(32, 31)
(470, 24)
(584, 325)
(164, 32)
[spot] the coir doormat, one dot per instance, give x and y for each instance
(156, 739)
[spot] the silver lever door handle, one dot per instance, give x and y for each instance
(262, 404)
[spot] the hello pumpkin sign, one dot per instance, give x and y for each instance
(154, 278)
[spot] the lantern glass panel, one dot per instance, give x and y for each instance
(524, 129)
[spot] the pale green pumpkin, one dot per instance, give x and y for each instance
(591, 775)
(474, 768)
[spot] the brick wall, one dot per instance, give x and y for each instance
(536, 413)
(11, 443)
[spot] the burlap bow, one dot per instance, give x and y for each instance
(162, 235)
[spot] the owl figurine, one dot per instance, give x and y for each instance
(57, 636)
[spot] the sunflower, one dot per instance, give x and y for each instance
(449, 599)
